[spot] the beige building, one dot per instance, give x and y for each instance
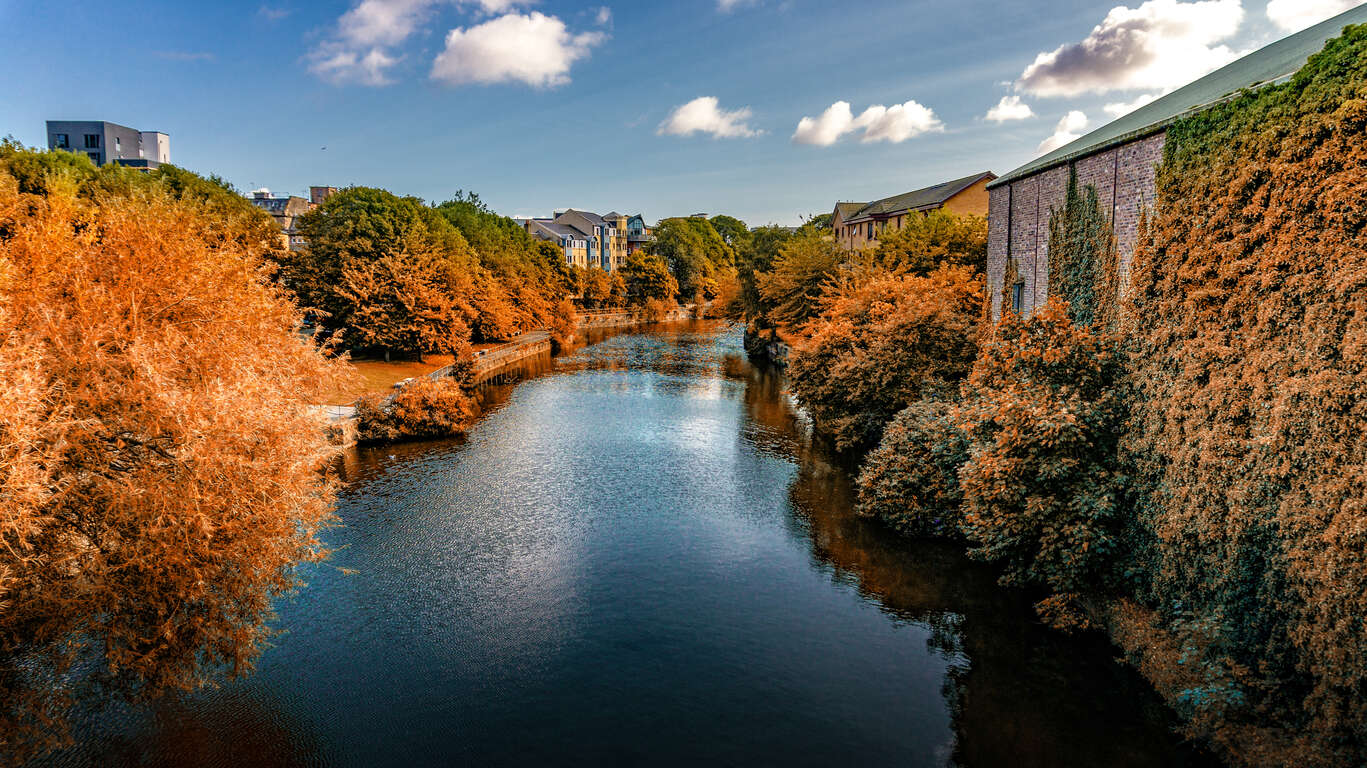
(586, 238)
(858, 225)
(285, 211)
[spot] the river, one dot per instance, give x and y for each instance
(639, 557)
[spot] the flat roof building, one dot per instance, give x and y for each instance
(106, 142)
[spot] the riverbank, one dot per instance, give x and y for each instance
(641, 557)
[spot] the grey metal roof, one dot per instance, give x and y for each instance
(1270, 64)
(592, 217)
(560, 230)
(929, 197)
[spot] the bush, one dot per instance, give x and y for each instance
(655, 310)
(882, 346)
(934, 239)
(911, 481)
(424, 409)
(1043, 411)
(564, 323)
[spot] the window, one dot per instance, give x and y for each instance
(92, 141)
(870, 230)
(1017, 297)
(61, 141)
(96, 158)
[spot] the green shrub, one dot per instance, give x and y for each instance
(1043, 413)
(911, 480)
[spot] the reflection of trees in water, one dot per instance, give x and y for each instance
(237, 726)
(1018, 693)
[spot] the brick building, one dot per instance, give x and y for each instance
(1120, 159)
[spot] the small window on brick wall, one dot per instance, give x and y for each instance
(1017, 297)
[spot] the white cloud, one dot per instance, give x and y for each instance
(1068, 129)
(603, 17)
(361, 49)
(381, 22)
(897, 123)
(1010, 108)
(893, 124)
(705, 115)
(1160, 45)
(534, 48)
(337, 63)
(727, 6)
(825, 130)
(1119, 109)
(1295, 15)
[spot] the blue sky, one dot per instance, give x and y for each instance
(554, 104)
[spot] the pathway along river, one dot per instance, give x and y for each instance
(639, 558)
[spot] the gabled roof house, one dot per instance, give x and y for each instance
(857, 225)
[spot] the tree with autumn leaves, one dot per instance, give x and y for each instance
(159, 459)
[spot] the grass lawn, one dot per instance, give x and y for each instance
(379, 376)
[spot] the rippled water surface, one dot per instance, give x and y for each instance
(638, 558)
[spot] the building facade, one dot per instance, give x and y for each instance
(638, 234)
(587, 239)
(858, 225)
(1120, 160)
(285, 211)
(104, 142)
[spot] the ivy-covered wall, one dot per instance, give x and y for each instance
(1247, 445)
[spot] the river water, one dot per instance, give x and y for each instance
(638, 557)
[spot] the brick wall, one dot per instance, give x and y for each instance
(1124, 181)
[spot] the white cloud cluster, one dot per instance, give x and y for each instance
(1295, 15)
(1160, 45)
(705, 115)
(533, 48)
(727, 6)
(1010, 108)
(1069, 129)
(893, 124)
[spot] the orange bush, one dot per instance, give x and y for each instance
(424, 409)
(159, 460)
(882, 345)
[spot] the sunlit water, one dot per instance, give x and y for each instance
(638, 558)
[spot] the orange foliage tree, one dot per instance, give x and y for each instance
(159, 461)
(886, 343)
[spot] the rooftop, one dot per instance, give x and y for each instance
(1271, 64)
(929, 197)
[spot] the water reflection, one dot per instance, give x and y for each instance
(639, 557)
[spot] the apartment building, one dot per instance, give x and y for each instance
(106, 142)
